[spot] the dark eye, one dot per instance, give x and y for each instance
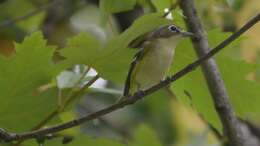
(172, 28)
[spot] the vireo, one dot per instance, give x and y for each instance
(152, 62)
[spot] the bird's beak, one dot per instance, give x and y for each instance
(187, 34)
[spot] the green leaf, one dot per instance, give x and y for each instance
(81, 49)
(178, 18)
(20, 75)
(29, 108)
(115, 6)
(144, 136)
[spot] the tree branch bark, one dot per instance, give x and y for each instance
(6, 136)
(231, 125)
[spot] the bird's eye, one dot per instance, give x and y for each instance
(173, 28)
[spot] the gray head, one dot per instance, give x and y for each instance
(169, 31)
(163, 32)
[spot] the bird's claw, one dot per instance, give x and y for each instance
(140, 93)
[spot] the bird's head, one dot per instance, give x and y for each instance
(169, 31)
(169, 35)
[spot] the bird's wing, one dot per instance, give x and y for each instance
(139, 41)
(138, 56)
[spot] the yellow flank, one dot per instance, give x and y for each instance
(155, 63)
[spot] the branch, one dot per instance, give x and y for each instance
(231, 125)
(131, 99)
(253, 127)
(28, 15)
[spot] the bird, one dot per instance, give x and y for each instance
(154, 58)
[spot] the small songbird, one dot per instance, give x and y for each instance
(152, 62)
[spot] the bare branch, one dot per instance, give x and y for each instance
(231, 124)
(132, 99)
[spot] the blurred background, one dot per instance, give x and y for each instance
(172, 121)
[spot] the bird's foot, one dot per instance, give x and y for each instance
(139, 94)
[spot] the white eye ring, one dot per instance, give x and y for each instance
(172, 28)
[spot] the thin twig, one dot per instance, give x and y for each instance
(231, 125)
(75, 86)
(46, 119)
(132, 99)
(76, 94)
(83, 75)
(27, 15)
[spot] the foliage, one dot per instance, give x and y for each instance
(37, 78)
(234, 71)
(20, 76)
(84, 49)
